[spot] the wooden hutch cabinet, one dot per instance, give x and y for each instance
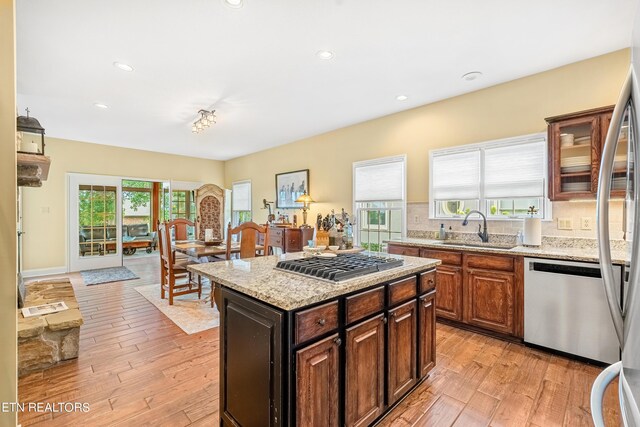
(576, 141)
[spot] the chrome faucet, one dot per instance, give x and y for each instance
(482, 231)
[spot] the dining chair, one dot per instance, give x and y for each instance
(171, 271)
(249, 237)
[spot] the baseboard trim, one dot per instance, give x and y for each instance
(36, 272)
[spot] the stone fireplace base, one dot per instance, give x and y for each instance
(46, 340)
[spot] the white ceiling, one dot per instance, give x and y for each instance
(257, 65)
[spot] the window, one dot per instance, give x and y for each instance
(137, 197)
(501, 178)
(241, 202)
(183, 205)
(379, 193)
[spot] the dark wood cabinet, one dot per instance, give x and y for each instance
(575, 144)
(426, 334)
(478, 289)
(290, 239)
(491, 300)
(344, 361)
(317, 383)
(449, 295)
(252, 336)
(364, 372)
(402, 350)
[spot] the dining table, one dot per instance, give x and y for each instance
(198, 249)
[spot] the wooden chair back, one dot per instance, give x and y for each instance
(164, 241)
(180, 226)
(249, 238)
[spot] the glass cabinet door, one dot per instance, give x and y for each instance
(576, 157)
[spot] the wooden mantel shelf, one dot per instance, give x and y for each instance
(32, 169)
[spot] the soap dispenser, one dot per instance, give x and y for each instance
(443, 232)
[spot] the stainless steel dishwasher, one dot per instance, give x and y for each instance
(565, 309)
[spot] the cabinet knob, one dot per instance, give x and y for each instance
(393, 314)
(321, 322)
(338, 341)
(384, 320)
(430, 281)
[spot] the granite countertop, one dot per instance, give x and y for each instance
(257, 278)
(588, 254)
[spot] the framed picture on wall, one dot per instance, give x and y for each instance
(290, 186)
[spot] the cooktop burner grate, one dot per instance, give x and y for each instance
(339, 268)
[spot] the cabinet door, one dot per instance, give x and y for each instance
(490, 300)
(317, 377)
(292, 240)
(449, 292)
(427, 334)
(620, 165)
(365, 372)
(251, 342)
(402, 350)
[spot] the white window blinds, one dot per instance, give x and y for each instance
(241, 196)
(515, 170)
(380, 180)
(456, 175)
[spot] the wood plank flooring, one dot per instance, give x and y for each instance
(137, 368)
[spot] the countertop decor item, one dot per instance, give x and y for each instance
(306, 200)
(289, 187)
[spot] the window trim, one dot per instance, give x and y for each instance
(372, 162)
(483, 204)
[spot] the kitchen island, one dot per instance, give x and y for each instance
(302, 351)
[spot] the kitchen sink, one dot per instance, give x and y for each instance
(479, 245)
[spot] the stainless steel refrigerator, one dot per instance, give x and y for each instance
(622, 137)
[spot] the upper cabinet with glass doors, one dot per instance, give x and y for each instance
(575, 148)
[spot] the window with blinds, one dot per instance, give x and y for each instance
(500, 178)
(241, 202)
(379, 193)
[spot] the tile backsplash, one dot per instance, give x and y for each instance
(418, 220)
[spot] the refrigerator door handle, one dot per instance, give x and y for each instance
(604, 189)
(597, 391)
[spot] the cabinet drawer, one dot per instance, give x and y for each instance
(276, 232)
(316, 321)
(490, 262)
(427, 281)
(447, 257)
(402, 290)
(365, 303)
(403, 250)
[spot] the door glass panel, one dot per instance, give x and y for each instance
(97, 220)
(620, 164)
(575, 158)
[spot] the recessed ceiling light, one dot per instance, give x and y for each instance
(324, 54)
(402, 97)
(123, 67)
(236, 4)
(100, 105)
(471, 75)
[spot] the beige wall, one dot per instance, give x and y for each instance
(45, 208)
(510, 109)
(8, 289)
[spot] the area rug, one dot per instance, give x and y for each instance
(107, 275)
(191, 314)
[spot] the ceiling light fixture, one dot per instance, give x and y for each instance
(471, 76)
(324, 54)
(100, 105)
(205, 119)
(402, 97)
(123, 67)
(235, 4)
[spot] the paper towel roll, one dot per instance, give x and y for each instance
(532, 232)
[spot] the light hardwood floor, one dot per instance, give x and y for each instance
(137, 368)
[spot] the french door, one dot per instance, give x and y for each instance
(95, 222)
